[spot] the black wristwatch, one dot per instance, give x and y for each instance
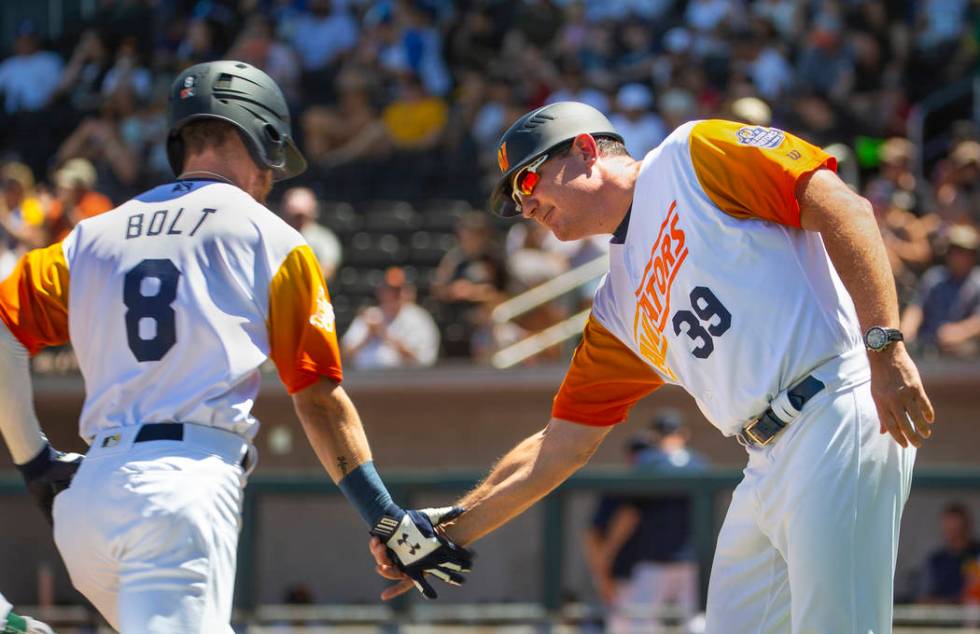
(878, 338)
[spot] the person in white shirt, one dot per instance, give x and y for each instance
(641, 128)
(396, 333)
(300, 210)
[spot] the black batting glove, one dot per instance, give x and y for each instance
(47, 474)
(418, 549)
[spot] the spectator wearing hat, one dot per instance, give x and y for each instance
(958, 193)
(21, 212)
(635, 119)
(944, 316)
(639, 549)
(300, 209)
(75, 199)
(395, 333)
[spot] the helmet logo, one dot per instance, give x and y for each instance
(188, 89)
(502, 157)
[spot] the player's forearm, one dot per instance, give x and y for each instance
(850, 234)
(18, 422)
(526, 474)
(333, 427)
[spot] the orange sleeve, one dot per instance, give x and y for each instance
(34, 299)
(750, 171)
(302, 330)
(604, 381)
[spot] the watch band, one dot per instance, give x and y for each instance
(877, 338)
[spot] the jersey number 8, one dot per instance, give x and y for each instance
(145, 307)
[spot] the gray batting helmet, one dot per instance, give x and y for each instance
(243, 96)
(538, 132)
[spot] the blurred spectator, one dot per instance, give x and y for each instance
(751, 110)
(200, 43)
(419, 47)
(825, 65)
(945, 314)
(639, 549)
(256, 45)
(99, 139)
(29, 78)
(572, 86)
(677, 106)
(21, 212)
(470, 279)
(75, 200)
(81, 83)
(396, 333)
(944, 574)
(301, 210)
(320, 36)
(641, 128)
(896, 158)
(349, 131)
(415, 119)
(534, 255)
(127, 73)
(958, 192)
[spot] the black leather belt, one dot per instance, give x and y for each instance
(172, 431)
(761, 431)
(160, 431)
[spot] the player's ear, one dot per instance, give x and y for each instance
(585, 148)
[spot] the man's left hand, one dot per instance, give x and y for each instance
(903, 407)
(48, 474)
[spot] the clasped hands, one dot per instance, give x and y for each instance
(412, 548)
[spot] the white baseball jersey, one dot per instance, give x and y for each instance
(713, 286)
(172, 301)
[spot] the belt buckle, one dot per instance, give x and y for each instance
(749, 429)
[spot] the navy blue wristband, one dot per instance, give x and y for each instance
(365, 490)
(36, 466)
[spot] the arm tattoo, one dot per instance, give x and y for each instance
(342, 464)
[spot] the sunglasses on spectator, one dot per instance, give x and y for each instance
(526, 179)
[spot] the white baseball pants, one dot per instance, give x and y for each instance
(810, 540)
(149, 530)
(5, 608)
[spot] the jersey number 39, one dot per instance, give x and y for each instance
(710, 319)
(149, 290)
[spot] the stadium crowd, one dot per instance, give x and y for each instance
(399, 104)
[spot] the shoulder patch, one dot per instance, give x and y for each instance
(758, 136)
(323, 318)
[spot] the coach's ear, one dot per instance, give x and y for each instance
(586, 150)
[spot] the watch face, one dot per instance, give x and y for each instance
(876, 338)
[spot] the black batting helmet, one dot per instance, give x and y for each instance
(245, 97)
(537, 133)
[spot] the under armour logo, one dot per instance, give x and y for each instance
(411, 548)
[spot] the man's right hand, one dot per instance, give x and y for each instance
(48, 474)
(414, 548)
(903, 407)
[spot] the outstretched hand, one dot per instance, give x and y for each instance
(416, 549)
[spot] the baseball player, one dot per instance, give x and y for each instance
(13, 623)
(745, 271)
(171, 302)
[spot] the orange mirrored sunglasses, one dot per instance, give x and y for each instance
(526, 179)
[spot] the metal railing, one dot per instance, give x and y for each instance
(527, 301)
(702, 489)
